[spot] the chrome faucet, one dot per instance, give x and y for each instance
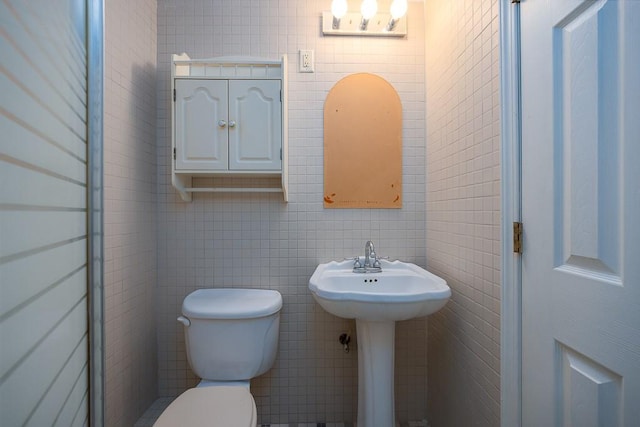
(371, 261)
(369, 254)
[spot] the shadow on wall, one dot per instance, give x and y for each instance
(130, 236)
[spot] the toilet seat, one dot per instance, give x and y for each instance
(212, 407)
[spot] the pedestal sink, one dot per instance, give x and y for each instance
(400, 291)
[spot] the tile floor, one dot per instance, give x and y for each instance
(153, 412)
(151, 415)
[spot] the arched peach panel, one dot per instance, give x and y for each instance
(362, 144)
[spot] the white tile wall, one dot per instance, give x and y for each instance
(130, 209)
(463, 217)
(259, 241)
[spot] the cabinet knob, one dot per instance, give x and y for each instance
(232, 123)
(222, 123)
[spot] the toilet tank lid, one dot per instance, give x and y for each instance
(231, 303)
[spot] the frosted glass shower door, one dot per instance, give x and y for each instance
(44, 355)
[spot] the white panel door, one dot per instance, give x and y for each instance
(201, 124)
(581, 213)
(255, 125)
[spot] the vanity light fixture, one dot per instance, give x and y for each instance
(367, 21)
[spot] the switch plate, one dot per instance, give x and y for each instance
(306, 61)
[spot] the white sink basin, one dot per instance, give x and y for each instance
(401, 291)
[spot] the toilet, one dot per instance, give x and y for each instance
(231, 337)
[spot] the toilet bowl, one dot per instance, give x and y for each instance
(231, 336)
(211, 406)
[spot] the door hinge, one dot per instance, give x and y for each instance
(174, 95)
(280, 95)
(517, 237)
(174, 153)
(281, 154)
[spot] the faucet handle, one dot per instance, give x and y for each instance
(356, 261)
(376, 263)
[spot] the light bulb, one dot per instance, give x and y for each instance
(368, 9)
(339, 8)
(398, 9)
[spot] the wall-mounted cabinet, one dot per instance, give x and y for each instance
(229, 121)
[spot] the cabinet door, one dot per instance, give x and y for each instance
(201, 124)
(255, 139)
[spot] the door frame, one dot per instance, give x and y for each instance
(511, 206)
(95, 203)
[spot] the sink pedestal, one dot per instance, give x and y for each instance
(376, 404)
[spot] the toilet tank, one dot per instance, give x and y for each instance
(231, 334)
